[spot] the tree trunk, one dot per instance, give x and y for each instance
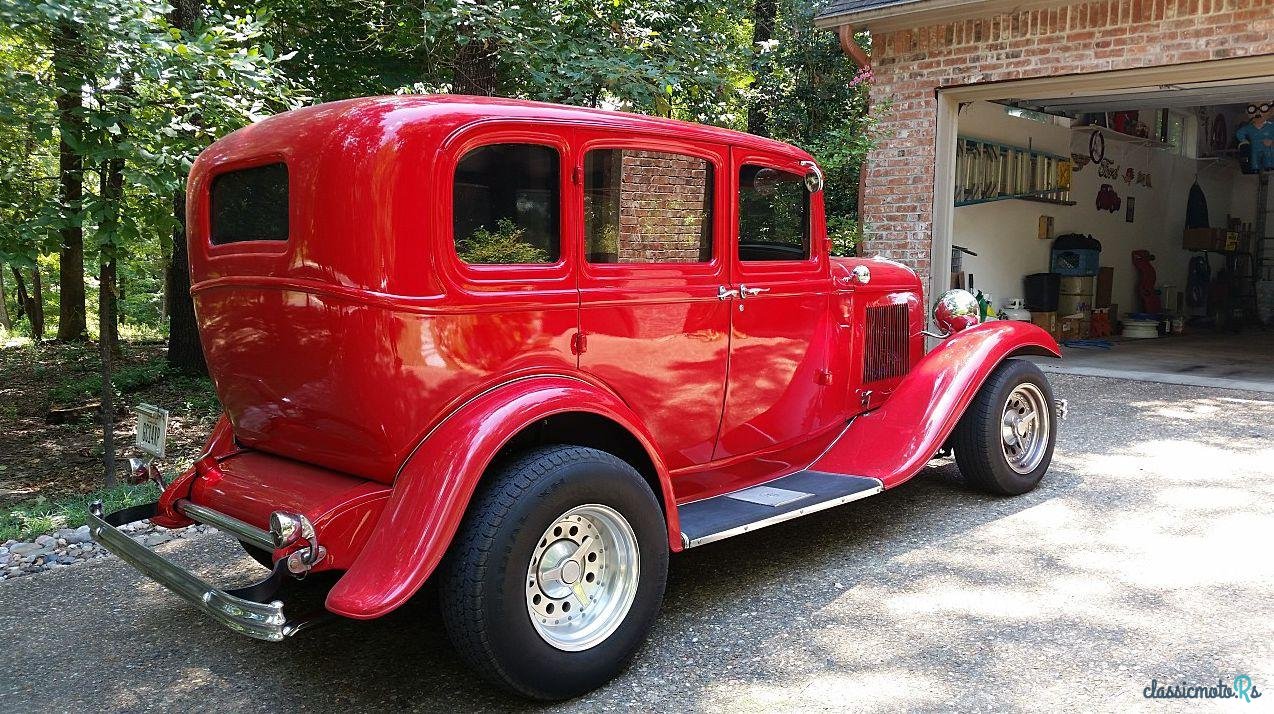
(35, 305)
(20, 294)
(185, 353)
(163, 298)
(764, 15)
(108, 347)
(112, 193)
(68, 63)
(5, 322)
(474, 71)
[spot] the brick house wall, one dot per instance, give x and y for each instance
(910, 65)
(662, 211)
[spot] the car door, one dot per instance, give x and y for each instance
(653, 263)
(780, 324)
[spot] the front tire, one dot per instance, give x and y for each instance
(557, 572)
(1004, 442)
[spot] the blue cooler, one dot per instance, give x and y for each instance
(1075, 254)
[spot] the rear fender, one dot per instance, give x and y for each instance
(895, 441)
(433, 489)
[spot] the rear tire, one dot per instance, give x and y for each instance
(556, 573)
(1004, 442)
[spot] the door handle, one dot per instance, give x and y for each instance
(748, 292)
(724, 293)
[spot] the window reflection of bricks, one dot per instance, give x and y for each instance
(664, 208)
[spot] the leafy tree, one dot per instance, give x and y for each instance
(817, 99)
(104, 105)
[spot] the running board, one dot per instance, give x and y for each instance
(783, 499)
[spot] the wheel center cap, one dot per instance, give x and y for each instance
(570, 572)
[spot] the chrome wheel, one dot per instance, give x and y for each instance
(1024, 428)
(582, 578)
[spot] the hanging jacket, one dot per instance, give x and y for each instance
(1197, 208)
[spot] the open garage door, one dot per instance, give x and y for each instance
(1119, 206)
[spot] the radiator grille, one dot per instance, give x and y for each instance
(885, 353)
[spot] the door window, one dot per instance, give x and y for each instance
(505, 205)
(647, 207)
(774, 214)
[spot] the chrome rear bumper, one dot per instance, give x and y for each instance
(251, 610)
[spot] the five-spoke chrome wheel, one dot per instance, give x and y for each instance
(582, 577)
(1024, 428)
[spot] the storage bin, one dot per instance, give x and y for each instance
(1075, 261)
(1070, 304)
(1076, 285)
(1041, 292)
(1075, 254)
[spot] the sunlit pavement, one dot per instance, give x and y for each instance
(1148, 553)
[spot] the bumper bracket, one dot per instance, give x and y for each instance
(250, 610)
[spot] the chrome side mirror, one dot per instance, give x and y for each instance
(814, 177)
(955, 310)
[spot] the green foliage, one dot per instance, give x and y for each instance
(845, 234)
(817, 99)
(28, 519)
(155, 96)
(79, 387)
(507, 244)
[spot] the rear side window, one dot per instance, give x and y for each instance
(774, 214)
(506, 204)
(647, 207)
(250, 205)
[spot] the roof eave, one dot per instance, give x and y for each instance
(921, 13)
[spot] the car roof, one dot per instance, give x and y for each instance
(463, 110)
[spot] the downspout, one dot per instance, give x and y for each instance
(863, 61)
(851, 48)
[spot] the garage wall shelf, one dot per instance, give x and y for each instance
(1112, 135)
(989, 171)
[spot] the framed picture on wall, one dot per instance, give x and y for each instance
(1131, 211)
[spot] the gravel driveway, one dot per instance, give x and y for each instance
(1146, 554)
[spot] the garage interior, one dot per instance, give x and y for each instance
(1130, 222)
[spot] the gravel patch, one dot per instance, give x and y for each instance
(69, 546)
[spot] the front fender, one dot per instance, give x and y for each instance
(895, 441)
(433, 489)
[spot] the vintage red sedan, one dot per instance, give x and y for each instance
(527, 351)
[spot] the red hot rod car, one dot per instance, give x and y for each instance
(527, 351)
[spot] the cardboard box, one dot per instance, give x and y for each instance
(1203, 239)
(1048, 321)
(1075, 327)
(1213, 239)
(1046, 228)
(1105, 283)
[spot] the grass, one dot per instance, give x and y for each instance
(26, 520)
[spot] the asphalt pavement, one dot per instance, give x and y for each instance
(1145, 554)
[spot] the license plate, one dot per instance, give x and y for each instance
(152, 429)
